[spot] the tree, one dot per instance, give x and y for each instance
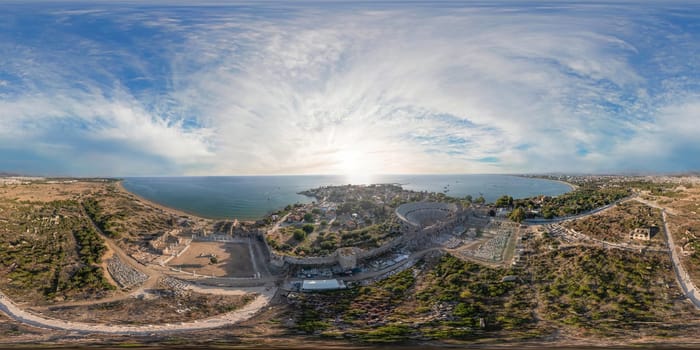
(308, 217)
(299, 235)
(480, 200)
(308, 228)
(517, 215)
(504, 202)
(213, 260)
(468, 198)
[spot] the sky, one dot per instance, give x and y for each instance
(263, 88)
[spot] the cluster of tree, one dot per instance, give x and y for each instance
(301, 233)
(97, 215)
(90, 245)
(478, 200)
(517, 215)
(504, 202)
(585, 198)
(88, 278)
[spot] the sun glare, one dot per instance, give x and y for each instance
(353, 165)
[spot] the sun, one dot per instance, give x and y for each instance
(354, 166)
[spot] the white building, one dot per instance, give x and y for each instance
(321, 285)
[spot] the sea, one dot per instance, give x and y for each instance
(253, 197)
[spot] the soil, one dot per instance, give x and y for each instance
(233, 259)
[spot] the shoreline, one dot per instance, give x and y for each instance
(181, 212)
(572, 186)
(178, 212)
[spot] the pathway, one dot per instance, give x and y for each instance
(245, 313)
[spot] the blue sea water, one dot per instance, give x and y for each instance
(252, 197)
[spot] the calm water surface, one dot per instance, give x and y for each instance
(251, 197)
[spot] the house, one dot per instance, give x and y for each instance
(643, 234)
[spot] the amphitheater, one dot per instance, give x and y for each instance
(425, 214)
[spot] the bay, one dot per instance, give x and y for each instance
(252, 197)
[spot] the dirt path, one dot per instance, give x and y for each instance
(265, 294)
(687, 285)
(245, 313)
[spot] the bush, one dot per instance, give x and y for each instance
(299, 235)
(308, 228)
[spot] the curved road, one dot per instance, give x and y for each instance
(245, 313)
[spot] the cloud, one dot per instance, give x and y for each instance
(329, 88)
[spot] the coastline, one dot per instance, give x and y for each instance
(572, 186)
(305, 193)
(120, 186)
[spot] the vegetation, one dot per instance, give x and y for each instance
(517, 215)
(50, 253)
(605, 291)
(504, 202)
(308, 228)
(101, 220)
(296, 240)
(90, 245)
(615, 224)
(299, 235)
(584, 199)
(452, 299)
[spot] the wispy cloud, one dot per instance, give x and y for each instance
(329, 87)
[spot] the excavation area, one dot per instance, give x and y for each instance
(217, 259)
